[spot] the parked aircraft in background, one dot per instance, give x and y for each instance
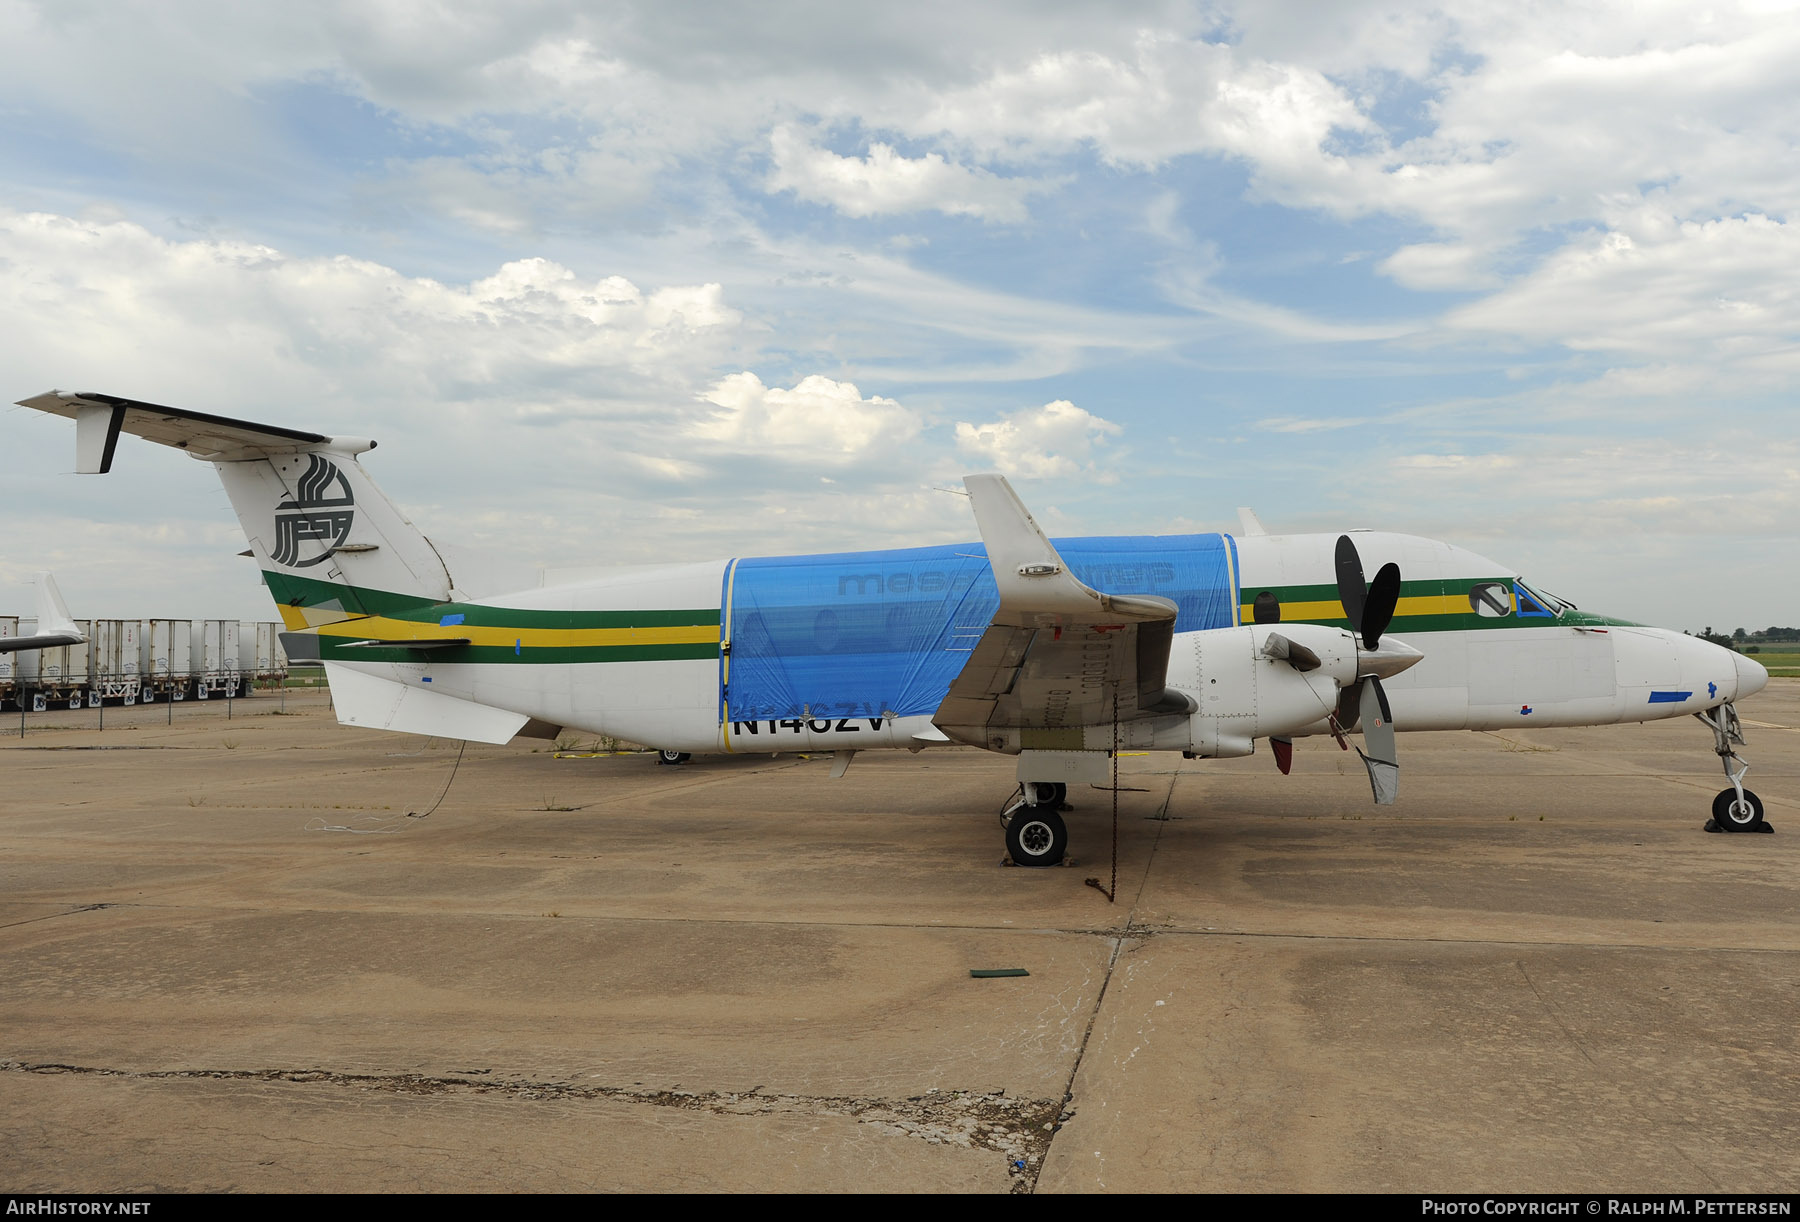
(55, 626)
(1059, 652)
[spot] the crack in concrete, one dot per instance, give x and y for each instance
(1130, 932)
(51, 916)
(1020, 1129)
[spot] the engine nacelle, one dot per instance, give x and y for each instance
(1249, 686)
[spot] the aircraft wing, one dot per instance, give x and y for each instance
(1059, 655)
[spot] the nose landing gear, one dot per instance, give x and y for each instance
(1736, 809)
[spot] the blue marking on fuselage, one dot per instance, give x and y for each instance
(449, 620)
(1669, 697)
(861, 633)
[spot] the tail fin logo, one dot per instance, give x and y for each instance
(321, 512)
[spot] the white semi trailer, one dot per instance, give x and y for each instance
(261, 660)
(168, 647)
(10, 691)
(117, 660)
(60, 673)
(140, 661)
(214, 650)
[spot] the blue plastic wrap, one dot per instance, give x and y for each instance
(874, 634)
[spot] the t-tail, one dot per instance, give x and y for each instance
(332, 548)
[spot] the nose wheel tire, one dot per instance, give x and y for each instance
(1734, 816)
(1036, 836)
(673, 757)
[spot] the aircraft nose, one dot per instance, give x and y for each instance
(1752, 676)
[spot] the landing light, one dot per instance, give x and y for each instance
(1039, 570)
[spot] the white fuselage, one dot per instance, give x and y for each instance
(1495, 655)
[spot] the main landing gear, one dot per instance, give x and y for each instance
(1736, 809)
(673, 757)
(1035, 832)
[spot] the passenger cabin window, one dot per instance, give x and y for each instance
(1491, 599)
(1267, 608)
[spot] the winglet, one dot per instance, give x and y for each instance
(53, 614)
(1033, 580)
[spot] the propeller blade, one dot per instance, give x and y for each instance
(1378, 735)
(1353, 589)
(1378, 610)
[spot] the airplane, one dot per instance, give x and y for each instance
(53, 614)
(1060, 652)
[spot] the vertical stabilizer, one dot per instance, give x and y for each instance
(53, 614)
(331, 546)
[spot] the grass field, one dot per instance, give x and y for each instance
(1781, 662)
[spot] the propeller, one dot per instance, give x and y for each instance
(1370, 608)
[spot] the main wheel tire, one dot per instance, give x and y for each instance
(1036, 836)
(673, 757)
(1733, 818)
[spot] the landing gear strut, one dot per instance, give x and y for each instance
(1736, 809)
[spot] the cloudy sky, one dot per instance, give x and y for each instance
(627, 282)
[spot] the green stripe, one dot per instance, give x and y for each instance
(1462, 621)
(1408, 589)
(291, 591)
(310, 592)
(529, 656)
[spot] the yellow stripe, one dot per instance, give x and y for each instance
(299, 619)
(1419, 604)
(380, 628)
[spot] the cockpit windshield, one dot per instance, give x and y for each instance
(1547, 604)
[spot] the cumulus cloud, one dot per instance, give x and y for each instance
(1723, 287)
(111, 294)
(565, 229)
(1055, 440)
(817, 419)
(885, 182)
(517, 408)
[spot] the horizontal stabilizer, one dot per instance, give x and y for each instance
(99, 419)
(375, 703)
